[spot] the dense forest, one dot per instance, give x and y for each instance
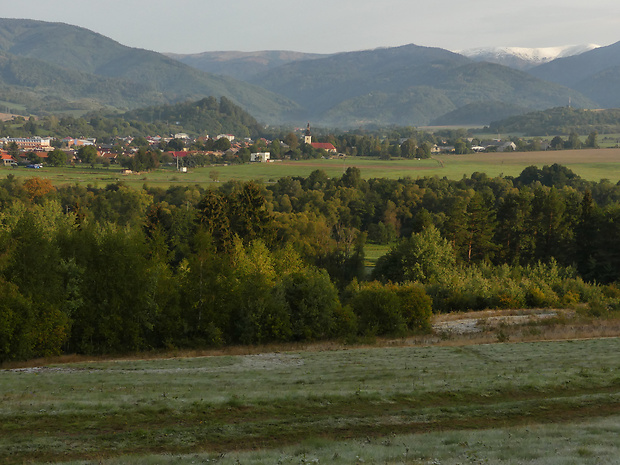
(560, 121)
(112, 270)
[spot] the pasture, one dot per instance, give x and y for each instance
(592, 164)
(543, 402)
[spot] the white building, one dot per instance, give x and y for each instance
(30, 143)
(261, 157)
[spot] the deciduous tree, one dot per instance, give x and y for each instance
(87, 154)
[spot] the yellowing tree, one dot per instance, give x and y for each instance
(38, 187)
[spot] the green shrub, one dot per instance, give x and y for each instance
(378, 310)
(345, 323)
(391, 309)
(16, 324)
(596, 308)
(416, 307)
(485, 286)
(310, 299)
(611, 291)
(569, 298)
(537, 297)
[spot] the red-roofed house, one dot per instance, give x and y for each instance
(179, 154)
(7, 159)
(328, 147)
(110, 156)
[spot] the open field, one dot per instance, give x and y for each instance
(593, 165)
(372, 253)
(5, 116)
(15, 107)
(542, 402)
(590, 164)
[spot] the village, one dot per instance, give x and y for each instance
(185, 151)
(176, 149)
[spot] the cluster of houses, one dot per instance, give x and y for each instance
(496, 145)
(42, 146)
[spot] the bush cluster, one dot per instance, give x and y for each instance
(486, 286)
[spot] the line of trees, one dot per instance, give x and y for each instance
(111, 270)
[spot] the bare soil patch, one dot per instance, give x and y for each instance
(478, 322)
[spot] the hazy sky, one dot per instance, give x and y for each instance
(327, 26)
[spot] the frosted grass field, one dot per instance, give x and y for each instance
(588, 443)
(437, 403)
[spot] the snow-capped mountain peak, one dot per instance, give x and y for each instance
(522, 57)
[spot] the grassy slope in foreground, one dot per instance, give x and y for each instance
(229, 403)
(591, 442)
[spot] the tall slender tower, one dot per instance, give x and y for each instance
(308, 136)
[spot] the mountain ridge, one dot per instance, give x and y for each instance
(405, 85)
(79, 49)
(401, 77)
(595, 74)
(241, 65)
(524, 58)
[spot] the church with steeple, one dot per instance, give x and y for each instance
(328, 147)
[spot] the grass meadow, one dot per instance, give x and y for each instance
(591, 164)
(544, 402)
(372, 253)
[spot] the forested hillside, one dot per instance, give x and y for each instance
(595, 73)
(208, 116)
(406, 85)
(198, 118)
(111, 270)
(46, 88)
(560, 120)
(482, 113)
(108, 68)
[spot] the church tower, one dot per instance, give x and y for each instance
(308, 136)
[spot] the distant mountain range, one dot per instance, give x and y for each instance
(525, 58)
(55, 67)
(242, 65)
(406, 85)
(142, 77)
(595, 74)
(400, 85)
